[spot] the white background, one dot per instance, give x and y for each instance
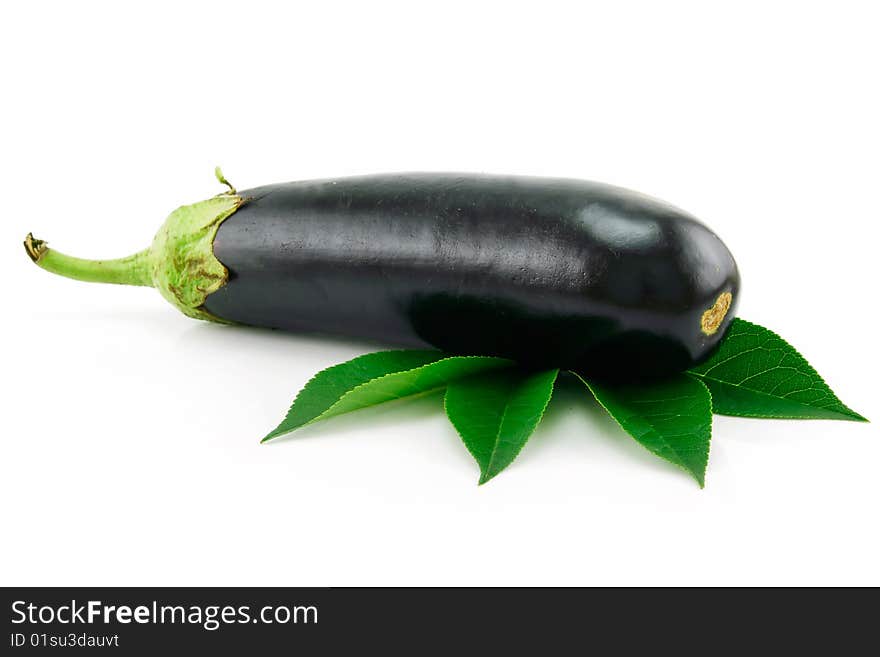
(130, 433)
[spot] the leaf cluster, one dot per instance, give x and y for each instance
(495, 404)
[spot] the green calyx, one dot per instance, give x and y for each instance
(180, 263)
(183, 266)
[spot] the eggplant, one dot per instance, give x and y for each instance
(549, 272)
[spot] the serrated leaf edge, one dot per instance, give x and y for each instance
(759, 416)
(272, 435)
(850, 415)
(319, 373)
(701, 480)
(483, 478)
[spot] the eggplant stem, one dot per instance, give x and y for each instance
(132, 270)
(218, 174)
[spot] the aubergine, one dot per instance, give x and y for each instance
(548, 272)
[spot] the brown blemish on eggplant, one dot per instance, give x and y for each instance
(712, 318)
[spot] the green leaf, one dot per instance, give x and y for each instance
(376, 378)
(496, 412)
(671, 418)
(755, 373)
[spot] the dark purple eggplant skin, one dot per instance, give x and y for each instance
(549, 272)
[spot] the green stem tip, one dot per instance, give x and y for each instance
(132, 270)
